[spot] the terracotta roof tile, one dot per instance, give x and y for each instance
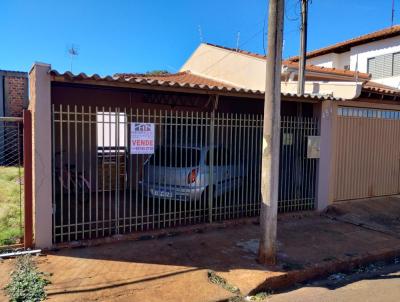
(180, 77)
(346, 45)
(380, 88)
(327, 70)
(163, 81)
(173, 81)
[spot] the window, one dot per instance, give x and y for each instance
(176, 157)
(369, 113)
(346, 67)
(111, 130)
(384, 66)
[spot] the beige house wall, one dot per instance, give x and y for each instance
(246, 71)
(224, 65)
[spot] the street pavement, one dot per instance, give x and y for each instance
(375, 285)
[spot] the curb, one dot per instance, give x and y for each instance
(156, 234)
(288, 279)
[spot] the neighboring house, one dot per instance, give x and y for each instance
(244, 69)
(13, 100)
(13, 93)
(377, 53)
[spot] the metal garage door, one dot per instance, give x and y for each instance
(367, 158)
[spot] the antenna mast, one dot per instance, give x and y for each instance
(392, 13)
(73, 52)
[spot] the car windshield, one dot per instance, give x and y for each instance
(176, 157)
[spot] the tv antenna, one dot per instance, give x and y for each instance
(237, 41)
(392, 13)
(200, 33)
(73, 51)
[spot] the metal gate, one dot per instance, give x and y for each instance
(367, 158)
(297, 172)
(203, 167)
(11, 180)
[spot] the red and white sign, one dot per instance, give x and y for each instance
(142, 138)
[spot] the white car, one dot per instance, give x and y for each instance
(184, 172)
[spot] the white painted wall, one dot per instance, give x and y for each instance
(361, 54)
(323, 61)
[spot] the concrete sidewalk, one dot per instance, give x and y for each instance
(175, 268)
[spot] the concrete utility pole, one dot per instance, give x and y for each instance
(303, 47)
(271, 135)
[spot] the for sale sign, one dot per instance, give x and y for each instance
(142, 138)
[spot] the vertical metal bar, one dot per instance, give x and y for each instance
(181, 143)
(192, 167)
(142, 202)
(186, 154)
(117, 170)
(102, 174)
(176, 124)
(282, 164)
(202, 169)
(161, 143)
(211, 162)
(154, 169)
(234, 164)
(61, 176)
(226, 160)
(148, 175)
(253, 147)
(125, 147)
(231, 164)
(137, 184)
(206, 178)
(68, 173)
(76, 169)
(217, 180)
(240, 160)
(197, 160)
(90, 168)
(259, 149)
(306, 161)
(171, 123)
(130, 162)
(83, 170)
(250, 160)
(165, 168)
(109, 173)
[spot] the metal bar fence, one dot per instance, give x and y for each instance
(205, 167)
(11, 172)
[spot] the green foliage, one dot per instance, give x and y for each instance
(214, 278)
(157, 72)
(10, 210)
(27, 284)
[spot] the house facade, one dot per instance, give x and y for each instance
(376, 53)
(88, 185)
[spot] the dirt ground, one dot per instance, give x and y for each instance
(175, 268)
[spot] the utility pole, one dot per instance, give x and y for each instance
(271, 135)
(303, 47)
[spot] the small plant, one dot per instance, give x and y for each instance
(27, 283)
(261, 296)
(214, 278)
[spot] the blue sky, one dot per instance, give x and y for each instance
(138, 36)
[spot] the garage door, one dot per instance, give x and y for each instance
(367, 157)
